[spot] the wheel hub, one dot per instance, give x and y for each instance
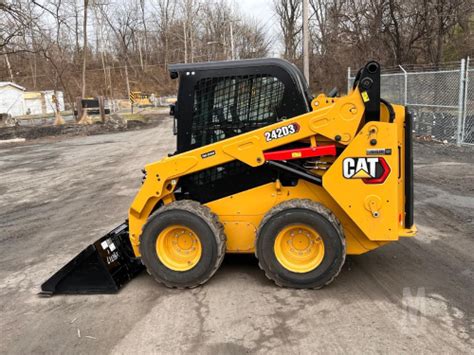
(299, 248)
(178, 248)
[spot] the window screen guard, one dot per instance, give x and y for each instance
(227, 106)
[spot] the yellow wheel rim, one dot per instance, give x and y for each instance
(178, 248)
(299, 248)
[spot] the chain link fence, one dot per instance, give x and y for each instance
(468, 114)
(440, 99)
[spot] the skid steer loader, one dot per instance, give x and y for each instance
(261, 167)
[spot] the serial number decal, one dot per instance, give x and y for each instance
(382, 151)
(208, 154)
(281, 132)
(112, 257)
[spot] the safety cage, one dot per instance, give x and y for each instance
(218, 100)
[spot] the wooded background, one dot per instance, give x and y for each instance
(89, 47)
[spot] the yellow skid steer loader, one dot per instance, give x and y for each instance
(261, 167)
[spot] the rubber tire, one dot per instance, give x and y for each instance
(318, 217)
(207, 227)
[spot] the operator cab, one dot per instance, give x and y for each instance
(218, 100)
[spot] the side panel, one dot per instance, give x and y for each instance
(369, 196)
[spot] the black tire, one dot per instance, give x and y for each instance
(203, 223)
(315, 216)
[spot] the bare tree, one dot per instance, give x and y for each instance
(442, 17)
(289, 16)
(47, 44)
(251, 40)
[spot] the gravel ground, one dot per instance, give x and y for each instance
(58, 195)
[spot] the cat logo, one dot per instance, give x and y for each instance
(371, 170)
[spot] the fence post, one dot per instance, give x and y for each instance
(464, 106)
(348, 79)
(460, 103)
(405, 94)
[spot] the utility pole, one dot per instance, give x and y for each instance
(84, 50)
(127, 83)
(185, 43)
(305, 40)
(232, 53)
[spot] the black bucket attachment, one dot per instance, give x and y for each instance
(103, 267)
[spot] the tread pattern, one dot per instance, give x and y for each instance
(209, 217)
(309, 205)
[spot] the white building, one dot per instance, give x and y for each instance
(41, 102)
(11, 99)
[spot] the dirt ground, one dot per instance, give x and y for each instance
(57, 196)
